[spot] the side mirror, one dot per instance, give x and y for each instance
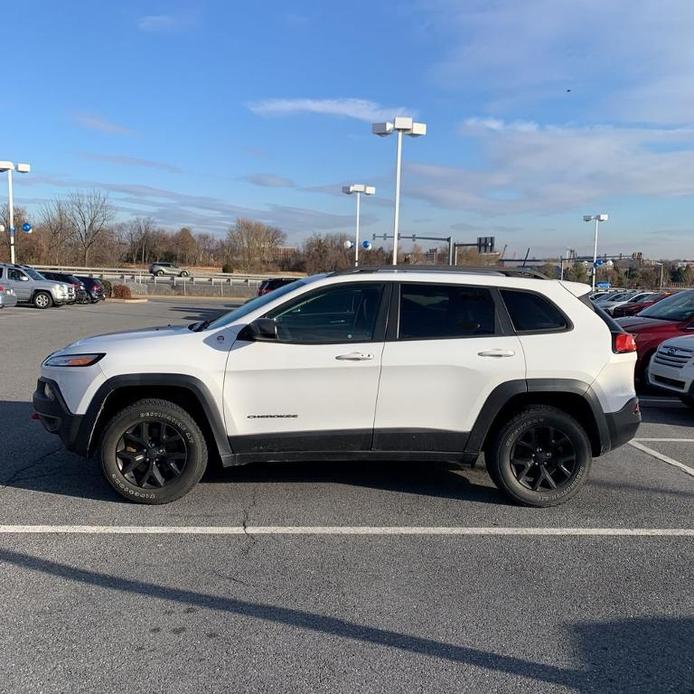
(260, 330)
(23, 278)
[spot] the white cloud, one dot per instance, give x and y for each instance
(163, 22)
(268, 180)
(131, 161)
(629, 60)
(360, 109)
(92, 122)
(529, 167)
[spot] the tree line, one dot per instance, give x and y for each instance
(81, 230)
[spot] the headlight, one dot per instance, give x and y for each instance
(73, 359)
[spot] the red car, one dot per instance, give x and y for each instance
(669, 317)
(631, 308)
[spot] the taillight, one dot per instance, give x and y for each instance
(2, 289)
(623, 343)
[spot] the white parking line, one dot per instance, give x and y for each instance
(665, 458)
(665, 440)
(336, 530)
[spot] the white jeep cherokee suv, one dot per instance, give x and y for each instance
(384, 363)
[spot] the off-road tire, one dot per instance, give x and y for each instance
(163, 415)
(512, 435)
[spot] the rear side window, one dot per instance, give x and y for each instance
(532, 312)
(434, 311)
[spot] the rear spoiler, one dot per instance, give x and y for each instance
(576, 288)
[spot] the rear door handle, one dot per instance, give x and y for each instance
(354, 356)
(497, 353)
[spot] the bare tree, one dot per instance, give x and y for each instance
(90, 215)
(56, 229)
(253, 245)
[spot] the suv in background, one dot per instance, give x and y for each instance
(160, 268)
(669, 317)
(269, 285)
(393, 363)
(81, 296)
(31, 287)
(93, 287)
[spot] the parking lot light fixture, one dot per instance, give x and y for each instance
(20, 168)
(358, 189)
(597, 218)
(401, 125)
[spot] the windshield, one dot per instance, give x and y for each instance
(254, 304)
(33, 274)
(678, 307)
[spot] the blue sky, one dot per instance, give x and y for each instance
(198, 112)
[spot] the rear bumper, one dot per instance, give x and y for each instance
(623, 424)
(56, 417)
(8, 300)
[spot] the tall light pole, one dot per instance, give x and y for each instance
(401, 125)
(597, 218)
(10, 167)
(358, 189)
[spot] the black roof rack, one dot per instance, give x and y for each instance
(484, 270)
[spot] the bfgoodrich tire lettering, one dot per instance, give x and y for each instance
(541, 457)
(153, 452)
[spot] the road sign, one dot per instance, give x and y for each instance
(26, 228)
(599, 262)
(603, 285)
(366, 245)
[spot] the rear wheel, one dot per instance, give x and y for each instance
(184, 273)
(159, 273)
(42, 300)
(153, 452)
(541, 457)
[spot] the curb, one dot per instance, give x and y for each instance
(126, 301)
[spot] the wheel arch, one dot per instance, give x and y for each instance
(186, 391)
(571, 396)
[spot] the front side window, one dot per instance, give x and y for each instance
(15, 275)
(434, 311)
(337, 314)
(532, 313)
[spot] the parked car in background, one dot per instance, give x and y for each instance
(31, 287)
(636, 305)
(607, 302)
(160, 268)
(7, 297)
(672, 316)
(672, 368)
(93, 287)
(81, 296)
(269, 285)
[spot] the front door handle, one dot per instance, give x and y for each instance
(497, 353)
(354, 356)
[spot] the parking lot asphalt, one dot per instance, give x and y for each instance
(334, 578)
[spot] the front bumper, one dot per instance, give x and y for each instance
(56, 417)
(623, 424)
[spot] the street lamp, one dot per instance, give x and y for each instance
(358, 189)
(10, 167)
(401, 125)
(597, 218)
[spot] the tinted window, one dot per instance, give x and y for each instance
(678, 307)
(530, 312)
(431, 311)
(16, 275)
(341, 313)
(1, 271)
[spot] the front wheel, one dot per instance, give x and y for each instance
(153, 452)
(42, 300)
(541, 457)
(159, 273)
(184, 273)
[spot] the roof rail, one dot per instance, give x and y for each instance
(484, 270)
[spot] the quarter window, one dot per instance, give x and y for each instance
(531, 312)
(434, 311)
(340, 313)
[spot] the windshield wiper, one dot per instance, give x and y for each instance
(199, 327)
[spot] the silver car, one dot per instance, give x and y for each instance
(30, 287)
(160, 268)
(7, 296)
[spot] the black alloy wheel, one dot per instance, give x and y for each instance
(151, 454)
(543, 458)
